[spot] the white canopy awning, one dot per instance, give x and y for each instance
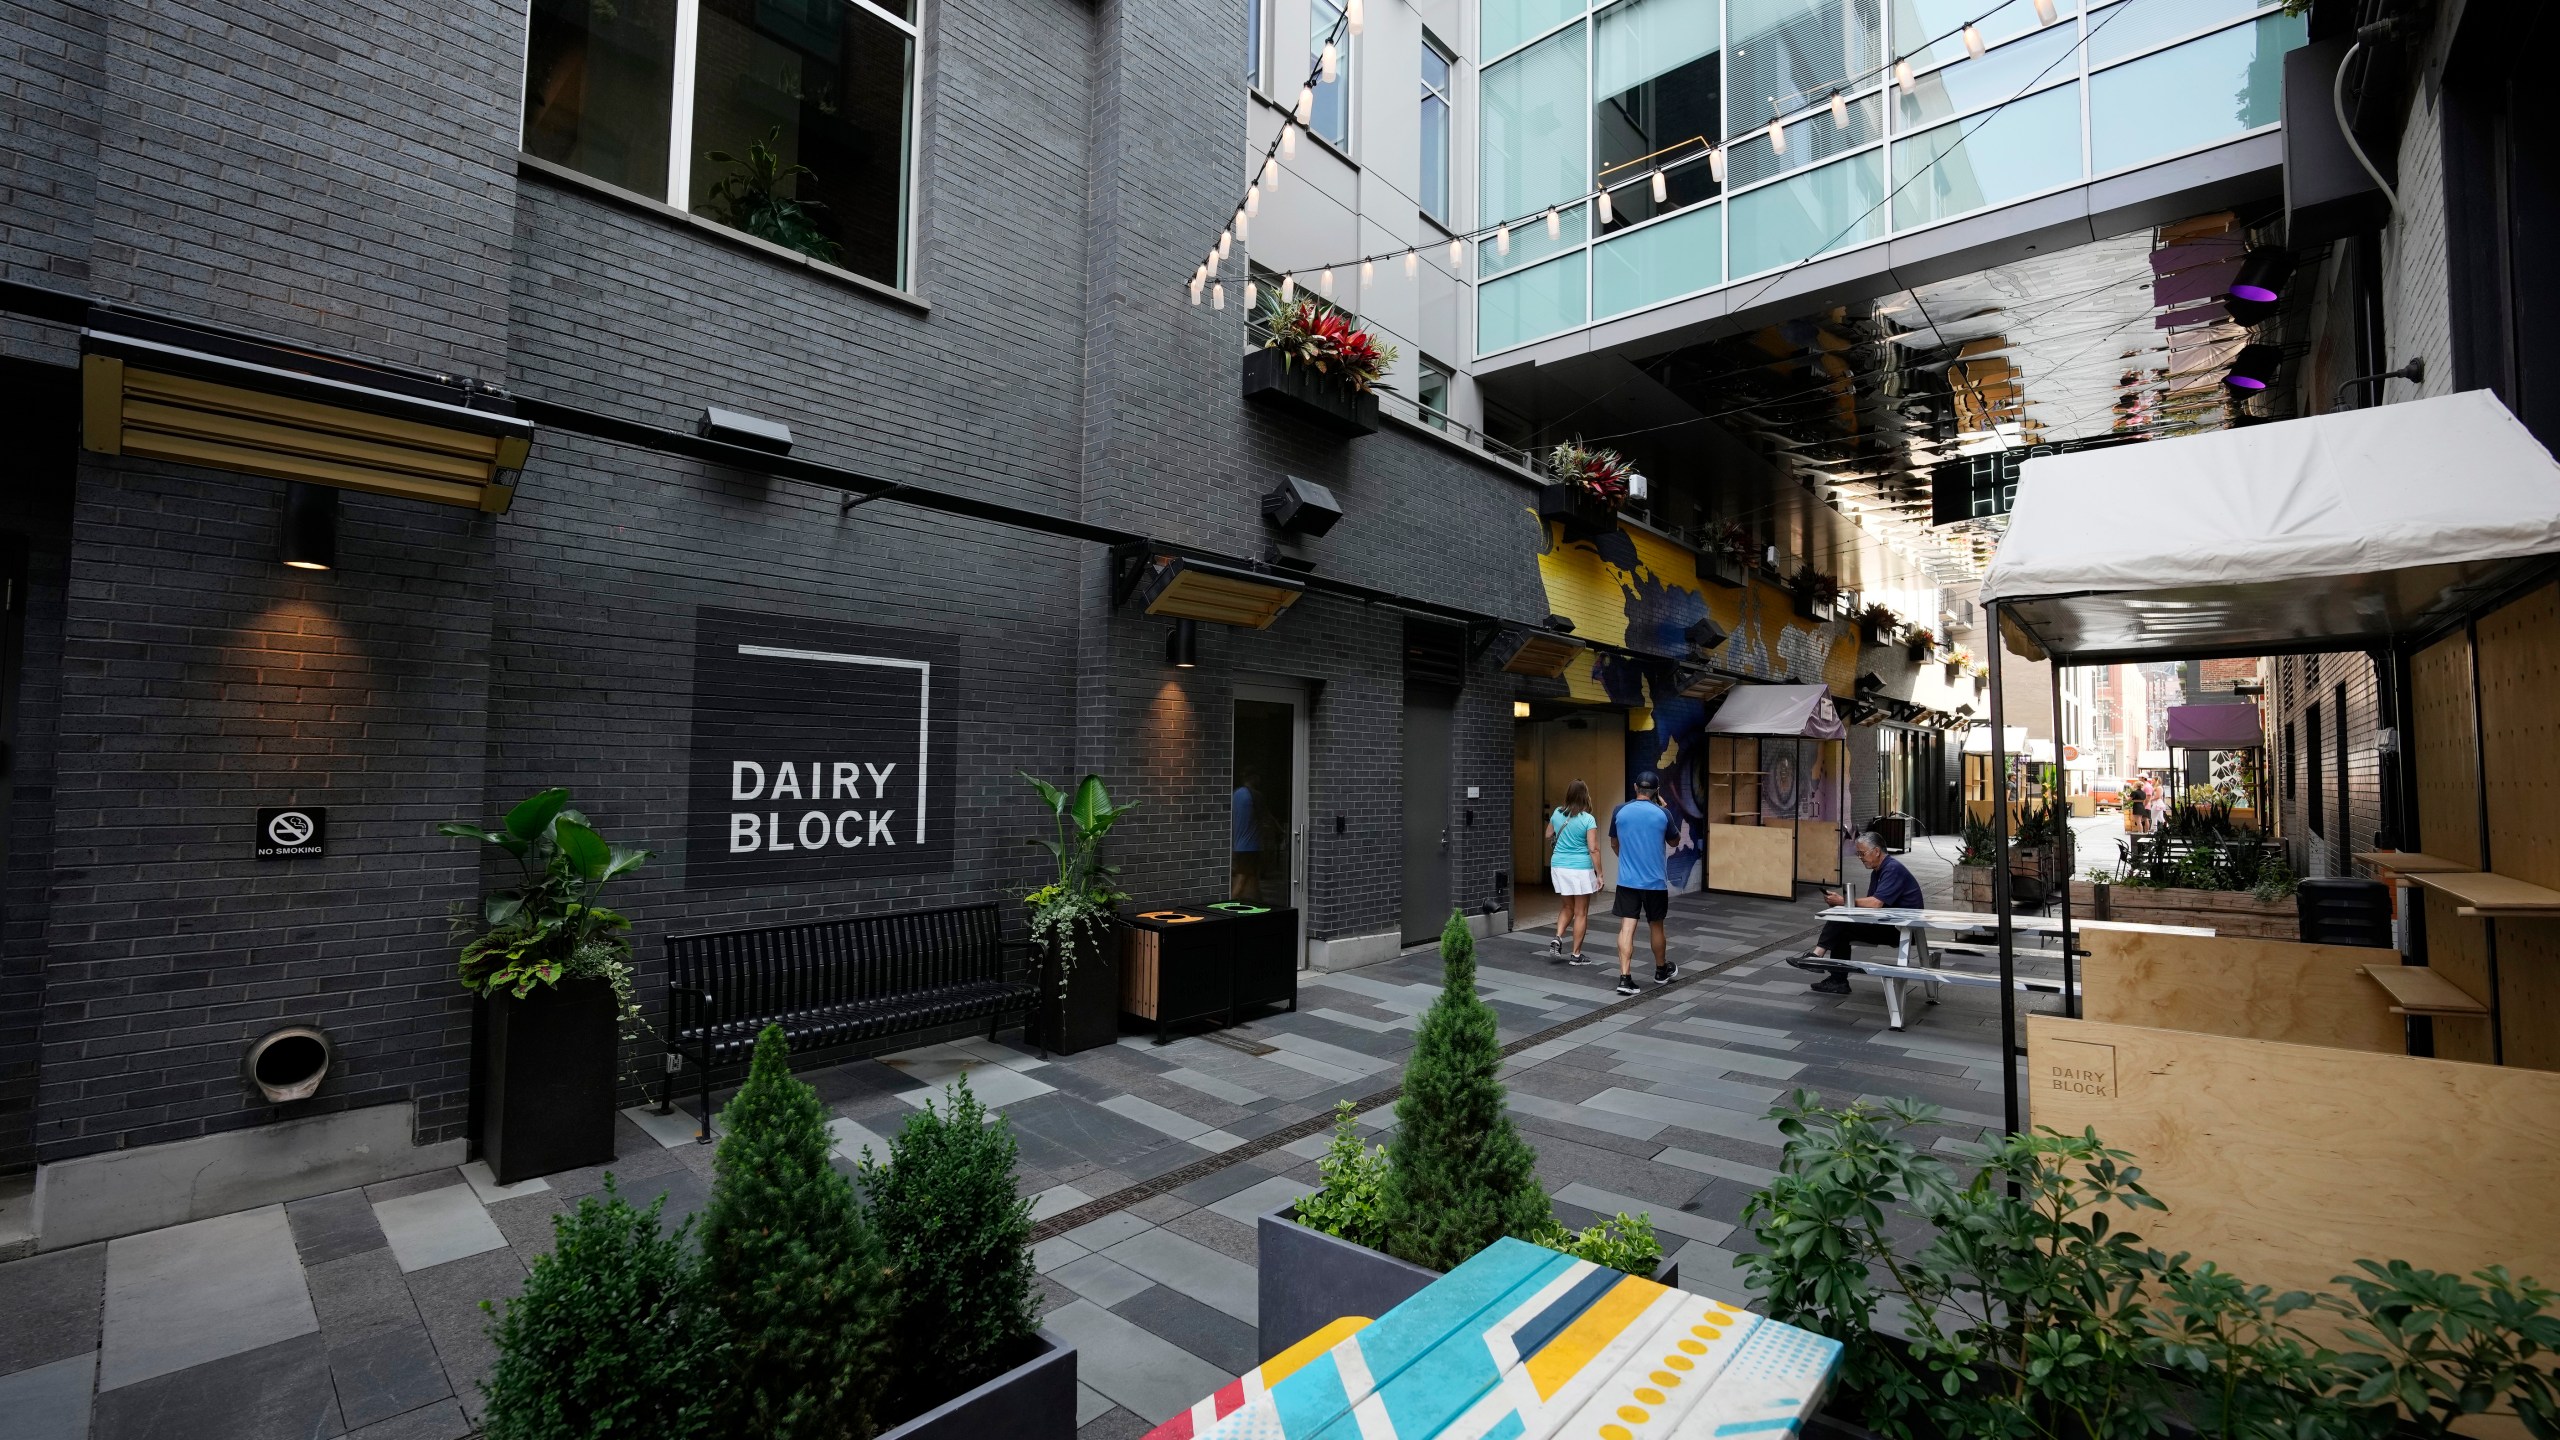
(1803, 710)
(2326, 533)
(2013, 741)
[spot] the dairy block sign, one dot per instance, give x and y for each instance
(821, 751)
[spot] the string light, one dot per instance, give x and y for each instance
(1661, 187)
(1368, 272)
(1226, 243)
(1715, 163)
(1502, 240)
(1288, 288)
(1253, 198)
(1973, 40)
(1324, 282)
(1252, 294)
(1240, 226)
(1840, 109)
(1412, 262)
(2045, 12)
(1902, 76)
(1351, 17)
(1306, 111)
(1555, 224)
(1606, 216)
(1329, 63)
(1777, 137)
(1218, 297)
(1271, 168)
(1289, 141)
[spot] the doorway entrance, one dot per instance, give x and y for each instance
(1267, 806)
(1546, 757)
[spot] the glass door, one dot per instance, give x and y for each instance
(1267, 825)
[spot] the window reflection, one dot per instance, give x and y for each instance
(1986, 159)
(1791, 53)
(1332, 118)
(599, 84)
(1995, 77)
(1656, 67)
(1536, 126)
(2194, 94)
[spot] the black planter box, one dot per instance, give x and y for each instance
(1310, 1279)
(1875, 634)
(1088, 1015)
(1723, 570)
(1919, 653)
(547, 1078)
(1035, 1400)
(1955, 671)
(1810, 607)
(1321, 399)
(1583, 515)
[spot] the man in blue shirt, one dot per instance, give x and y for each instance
(1891, 887)
(1639, 835)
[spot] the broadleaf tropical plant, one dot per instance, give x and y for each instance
(1309, 332)
(547, 926)
(1607, 475)
(752, 198)
(1077, 905)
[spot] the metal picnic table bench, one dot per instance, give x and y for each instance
(1914, 957)
(1524, 1341)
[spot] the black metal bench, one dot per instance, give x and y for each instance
(834, 982)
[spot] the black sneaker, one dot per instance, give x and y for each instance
(1579, 959)
(1555, 947)
(1665, 974)
(1838, 984)
(1627, 985)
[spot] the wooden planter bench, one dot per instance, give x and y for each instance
(834, 982)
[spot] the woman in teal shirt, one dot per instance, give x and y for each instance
(1571, 870)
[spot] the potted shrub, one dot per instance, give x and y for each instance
(965, 1354)
(1921, 641)
(1073, 929)
(555, 970)
(1728, 562)
(1877, 624)
(1318, 365)
(1959, 662)
(1815, 592)
(1458, 1177)
(1591, 485)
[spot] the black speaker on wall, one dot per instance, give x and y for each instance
(1301, 507)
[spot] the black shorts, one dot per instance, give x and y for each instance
(1633, 904)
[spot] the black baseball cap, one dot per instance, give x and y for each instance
(1647, 780)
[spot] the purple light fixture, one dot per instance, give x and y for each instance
(2258, 290)
(2254, 367)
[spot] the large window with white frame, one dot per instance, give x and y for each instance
(1253, 45)
(1666, 107)
(1438, 65)
(1332, 116)
(789, 120)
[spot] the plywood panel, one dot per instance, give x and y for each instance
(1752, 859)
(1818, 851)
(2448, 773)
(2254, 989)
(2285, 1163)
(2458, 949)
(2520, 741)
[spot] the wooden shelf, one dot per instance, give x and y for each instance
(2421, 991)
(2487, 895)
(2411, 862)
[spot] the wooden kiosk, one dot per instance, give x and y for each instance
(2301, 1107)
(1777, 788)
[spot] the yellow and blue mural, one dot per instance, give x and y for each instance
(1635, 591)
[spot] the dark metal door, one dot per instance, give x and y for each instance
(1426, 816)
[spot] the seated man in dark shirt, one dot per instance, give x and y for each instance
(1891, 887)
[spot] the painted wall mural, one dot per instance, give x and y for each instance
(1634, 589)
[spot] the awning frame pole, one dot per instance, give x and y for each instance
(2065, 849)
(2000, 883)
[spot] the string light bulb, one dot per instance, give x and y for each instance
(1288, 288)
(1777, 138)
(1458, 253)
(1218, 297)
(2045, 14)
(1973, 40)
(1715, 162)
(1502, 240)
(1289, 141)
(1607, 216)
(1324, 282)
(1555, 224)
(1306, 110)
(1839, 111)
(1271, 165)
(1226, 243)
(1240, 226)
(1903, 77)
(1329, 63)
(1253, 198)
(1351, 17)
(1252, 294)
(1661, 188)
(1368, 272)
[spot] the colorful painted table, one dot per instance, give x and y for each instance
(1523, 1343)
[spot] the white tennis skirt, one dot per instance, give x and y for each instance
(1574, 882)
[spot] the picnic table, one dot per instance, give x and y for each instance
(1916, 956)
(1525, 1342)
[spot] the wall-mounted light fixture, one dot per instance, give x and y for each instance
(1519, 709)
(1182, 647)
(737, 427)
(309, 538)
(2254, 368)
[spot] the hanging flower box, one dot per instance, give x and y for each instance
(1326, 400)
(1876, 625)
(1921, 642)
(1583, 515)
(1717, 567)
(1955, 669)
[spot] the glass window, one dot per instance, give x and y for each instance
(1788, 54)
(1680, 255)
(2031, 145)
(1536, 120)
(800, 128)
(1253, 43)
(1529, 242)
(1531, 304)
(2120, 30)
(1809, 142)
(1332, 118)
(1941, 22)
(2197, 93)
(1995, 77)
(1431, 391)
(1840, 204)
(1659, 79)
(1509, 23)
(599, 83)
(1435, 130)
(797, 116)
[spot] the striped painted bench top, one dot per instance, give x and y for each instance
(1523, 1343)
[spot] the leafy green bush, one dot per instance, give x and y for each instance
(791, 1265)
(609, 1337)
(2445, 1348)
(1625, 1242)
(1351, 1201)
(957, 1237)
(1460, 1176)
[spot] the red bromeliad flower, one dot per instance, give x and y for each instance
(1605, 473)
(1324, 340)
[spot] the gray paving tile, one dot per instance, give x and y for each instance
(527, 1222)
(359, 1293)
(443, 1420)
(1692, 1160)
(50, 1401)
(1214, 1087)
(430, 1227)
(1059, 1132)
(1091, 1404)
(1155, 1117)
(385, 1373)
(1218, 1233)
(1106, 1232)
(412, 1185)
(189, 1294)
(448, 1298)
(1100, 1279)
(1267, 1194)
(1114, 1424)
(1220, 1281)
(1712, 1119)
(1589, 1115)
(1666, 1219)
(1699, 1059)
(1219, 1338)
(686, 1192)
(269, 1393)
(1056, 1200)
(49, 1307)
(333, 1227)
(1147, 1376)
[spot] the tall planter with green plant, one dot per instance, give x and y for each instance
(555, 970)
(1072, 926)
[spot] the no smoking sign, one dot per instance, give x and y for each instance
(293, 831)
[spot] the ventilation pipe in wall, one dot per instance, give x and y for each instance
(289, 1064)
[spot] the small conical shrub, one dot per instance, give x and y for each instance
(608, 1338)
(957, 1237)
(1460, 1176)
(792, 1267)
